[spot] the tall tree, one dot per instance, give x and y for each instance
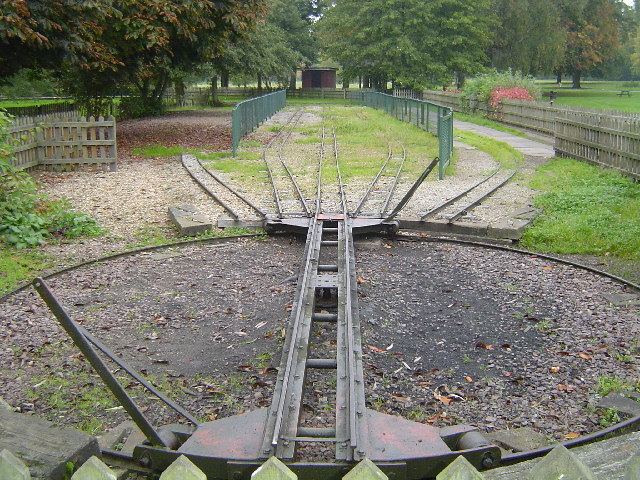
(529, 37)
(411, 42)
(592, 35)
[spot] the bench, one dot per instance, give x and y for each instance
(624, 92)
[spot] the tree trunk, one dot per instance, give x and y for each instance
(576, 79)
(293, 80)
(214, 90)
(360, 81)
(559, 77)
(259, 82)
(460, 78)
(224, 79)
(178, 86)
(345, 82)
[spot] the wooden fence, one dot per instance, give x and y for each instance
(63, 141)
(610, 139)
(560, 463)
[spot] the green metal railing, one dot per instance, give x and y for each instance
(426, 115)
(251, 113)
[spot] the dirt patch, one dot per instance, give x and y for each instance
(202, 128)
(452, 334)
(204, 322)
(499, 340)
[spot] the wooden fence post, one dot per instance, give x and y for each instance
(560, 463)
(183, 469)
(273, 469)
(365, 470)
(94, 469)
(12, 468)
(460, 469)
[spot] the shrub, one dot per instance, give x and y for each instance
(511, 93)
(27, 218)
(482, 87)
(138, 107)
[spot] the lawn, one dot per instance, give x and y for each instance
(34, 102)
(364, 136)
(503, 153)
(600, 95)
(585, 210)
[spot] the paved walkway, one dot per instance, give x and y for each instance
(523, 145)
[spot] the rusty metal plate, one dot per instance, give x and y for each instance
(396, 439)
(233, 438)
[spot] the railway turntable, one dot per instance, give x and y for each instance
(326, 292)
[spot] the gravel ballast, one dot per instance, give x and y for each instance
(452, 333)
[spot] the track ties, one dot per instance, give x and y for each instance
(382, 188)
(199, 174)
(464, 202)
(285, 188)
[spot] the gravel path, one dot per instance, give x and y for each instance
(499, 340)
(451, 334)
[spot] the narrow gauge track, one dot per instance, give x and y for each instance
(286, 191)
(235, 203)
(462, 203)
(329, 236)
(382, 188)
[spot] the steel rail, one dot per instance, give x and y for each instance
(299, 313)
(232, 190)
(207, 190)
(392, 191)
(407, 196)
(373, 183)
(320, 162)
(452, 200)
(136, 376)
(274, 189)
(346, 229)
(481, 199)
(286, 138)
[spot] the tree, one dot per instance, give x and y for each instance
(46, 33)
(592, 35)
(530, 38)
(410, 42)
(103, 45)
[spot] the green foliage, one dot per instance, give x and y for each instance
(608, 384)
(17, 266)
(610, 417)
(138, 107)
(502, 152)
(411, 42)
(27, 218)
(481, 86)
(585, 210)
(530, 37)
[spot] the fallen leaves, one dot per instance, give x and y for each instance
(571, 435)
(484, 346)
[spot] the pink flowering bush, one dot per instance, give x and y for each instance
(509, 93)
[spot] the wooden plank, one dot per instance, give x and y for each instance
(598, 146)
(45, 448)
(607, 459)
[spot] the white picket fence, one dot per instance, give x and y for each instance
(560, 463)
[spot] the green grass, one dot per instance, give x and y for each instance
(320, 101)
(596, 94)
(608, 384)
(364, 135)
(502, 152)
(17, 266)
(485, 122)
(585, 210)
(35, 102)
